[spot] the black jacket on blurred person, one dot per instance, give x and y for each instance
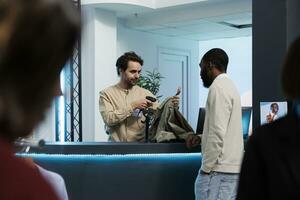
(271, 166)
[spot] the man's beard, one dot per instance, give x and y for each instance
(132, 82)
(205, 79)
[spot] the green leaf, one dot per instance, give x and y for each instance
(151, 81)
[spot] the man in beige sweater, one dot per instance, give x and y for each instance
(222, 138)
(120, 104)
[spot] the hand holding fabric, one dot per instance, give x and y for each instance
(141, 104)
(193, 140)
(175, 101)
(176, 98)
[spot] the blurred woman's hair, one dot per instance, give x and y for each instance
(290, 72)
(36, 39)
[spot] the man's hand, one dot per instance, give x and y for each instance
(141, 104)
(269, 118)
(193, 140)
(175, 101)
(176, 98)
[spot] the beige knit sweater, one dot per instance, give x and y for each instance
(122, 122)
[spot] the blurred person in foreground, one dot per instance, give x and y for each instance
(36, 39)
(271, 164)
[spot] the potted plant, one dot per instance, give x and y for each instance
(151, 81)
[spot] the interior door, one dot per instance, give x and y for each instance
(173, 66)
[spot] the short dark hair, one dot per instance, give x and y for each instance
(41, 37)
(274, 104)
(217, 57)
(290, 80)
(122, 62)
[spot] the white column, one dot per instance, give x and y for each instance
(45, 130)
(99, 47)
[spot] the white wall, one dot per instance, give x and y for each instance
(146, 45)
(46, 130)
(239, 69)
(144, 3)
(99, 42)
(88, 71)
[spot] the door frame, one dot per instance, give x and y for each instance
(179, 52)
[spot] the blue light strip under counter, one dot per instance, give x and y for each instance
(126, 157)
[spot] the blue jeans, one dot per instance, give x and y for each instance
(216, 186)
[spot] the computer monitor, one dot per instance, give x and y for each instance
(200, 124)
(246, 118)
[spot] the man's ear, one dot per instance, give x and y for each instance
(211, 65)
(120, 71)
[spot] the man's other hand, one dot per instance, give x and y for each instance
(141, 104)
(175, 100)
(193, 140)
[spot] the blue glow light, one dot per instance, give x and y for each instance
(117, 157)
(61, 109)
(246, 117)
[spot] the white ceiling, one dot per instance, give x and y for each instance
(194, 20)
(204, 28)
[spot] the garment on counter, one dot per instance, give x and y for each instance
(169, 124)
(123, 124)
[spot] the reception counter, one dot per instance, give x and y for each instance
(111, 148)
(122, 170)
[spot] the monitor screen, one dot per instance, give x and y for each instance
(200, 124)
(246, 117)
